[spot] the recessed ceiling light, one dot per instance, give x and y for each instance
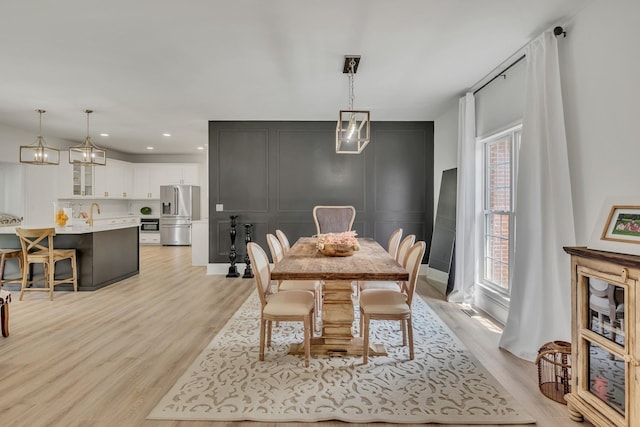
(104, 134)
(201, 148)
(149, 148)
(166, 134)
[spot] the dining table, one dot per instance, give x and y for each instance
(304, 261)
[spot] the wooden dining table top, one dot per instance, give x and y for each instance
(372, 262)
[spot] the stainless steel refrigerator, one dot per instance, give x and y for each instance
(179, 205)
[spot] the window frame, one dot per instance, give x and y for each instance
(513, 132)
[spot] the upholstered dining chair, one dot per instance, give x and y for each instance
(382, 304)
(394, 243)
(401, 258)
(284, 242)
(290, 306)
(34, 252)
(333, 219)
(314, 286)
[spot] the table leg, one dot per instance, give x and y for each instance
(337, 320)
(337, 313)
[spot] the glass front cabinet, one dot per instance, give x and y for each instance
(82, 180)
(605, 379)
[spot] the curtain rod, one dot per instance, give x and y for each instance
(557, 31)
(500, 74)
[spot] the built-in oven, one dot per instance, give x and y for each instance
(149, 225)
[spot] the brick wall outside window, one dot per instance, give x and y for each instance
(498, 206)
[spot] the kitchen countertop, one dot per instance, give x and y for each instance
(81, 229)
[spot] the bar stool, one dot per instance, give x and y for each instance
(34, 252)
(6, 254)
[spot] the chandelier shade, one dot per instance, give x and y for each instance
(353, 128)
(38, 153)
(87, 153)
(352, 132)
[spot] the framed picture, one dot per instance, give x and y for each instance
(623, 224)
(618, 226)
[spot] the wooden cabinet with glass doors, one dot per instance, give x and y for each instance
(605, 345)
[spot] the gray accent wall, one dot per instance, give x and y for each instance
(272, 174)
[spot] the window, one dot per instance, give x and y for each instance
(500, 161)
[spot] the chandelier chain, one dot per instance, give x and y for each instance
(40, 124)
(88, 113)
(352, 65)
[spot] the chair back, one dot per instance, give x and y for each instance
(394, 242)
(262, 273)
(284, 242)
(414, 259)
(333, 219)
(403, 249)
(31, 240)
(275, 248)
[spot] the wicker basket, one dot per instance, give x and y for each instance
(330, 249)
(554, 370)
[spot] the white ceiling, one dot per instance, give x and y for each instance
(147, 67)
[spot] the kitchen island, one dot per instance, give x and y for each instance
(106, 254)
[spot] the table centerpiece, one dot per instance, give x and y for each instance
(338, 244)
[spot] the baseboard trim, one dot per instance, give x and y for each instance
(223, 268)
(492, 303)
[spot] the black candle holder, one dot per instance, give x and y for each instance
(248, 272)
(233, 270)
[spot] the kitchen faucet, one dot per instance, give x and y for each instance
(91, 213)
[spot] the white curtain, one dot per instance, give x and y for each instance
(540, 307)
(466, 203)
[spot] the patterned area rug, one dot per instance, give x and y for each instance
(444, 384)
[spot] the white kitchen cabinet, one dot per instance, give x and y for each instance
(121, 180)
(200, 242)
(189, 174)
(176, 173)
(149, 238)
(73, 180)
(40, 185)
(130, 219)
(166, 174)
(82, 180)
(148, 177)
(65, 177)
(114, 181)
(143, 186)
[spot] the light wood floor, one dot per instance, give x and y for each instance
(105, 358)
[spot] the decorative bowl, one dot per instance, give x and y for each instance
(334, 249)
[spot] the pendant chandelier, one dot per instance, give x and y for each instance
(38, 153)
(353, 130)
(87, 153)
